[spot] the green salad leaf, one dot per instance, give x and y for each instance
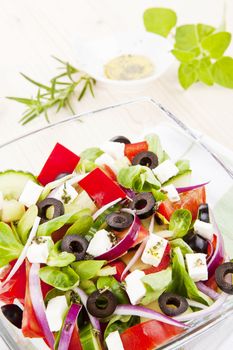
(88, 286)
(154, 145)
(180, 222)
(120, 324)
(82, 201)
(88, 269)
(53, 293)
(26, 222)
(58, 258)
(184, 247)
(114, 286)
(159, 20)
(10, 246)
(64, 278)
(81, 226)
(88, 157)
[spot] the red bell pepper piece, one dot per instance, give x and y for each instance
(61, 160)
(108, 171)
(120, 266)
(101, 188)
(132, 149)
(75, 343)
(15, 288)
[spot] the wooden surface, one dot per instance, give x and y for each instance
(32, 31)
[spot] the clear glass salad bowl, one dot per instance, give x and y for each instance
(133, 119)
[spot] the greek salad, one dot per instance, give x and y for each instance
(110, 249)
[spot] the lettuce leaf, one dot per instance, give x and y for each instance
(184, 247)
(180, 222)
(155, 146)
(88, 269)
(26, 222)
(10, 246)
(64, 278)
(114, 286)
(58, 258)
(120, 324)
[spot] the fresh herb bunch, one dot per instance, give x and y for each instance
(198, 47)
(58, 92)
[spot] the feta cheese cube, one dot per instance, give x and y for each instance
(38, 251)
(100, 243)
(172, 193)
(197, 267)
(165, 170)
(55, 312)
(154, 250)
(135, 287)
(114, 149)
(204, 229)
(64, 193)
(108, 160)
(31, 193)
(114, 342)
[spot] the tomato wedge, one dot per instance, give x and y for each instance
(75, 343)
(132, 149)
(120, 266)
(165, 262)
(148, 335)
(15, 288)
(188, 200)
(108, 171)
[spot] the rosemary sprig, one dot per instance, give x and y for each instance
(57, 93)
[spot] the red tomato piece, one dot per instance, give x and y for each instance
(75, 343)
(132, 149)
(142, 234)
(61, 160)
(188, 200)
(165, 262)
(108, 171)
(148, 335)
(120, 266)
(101, 188)
(15, 288)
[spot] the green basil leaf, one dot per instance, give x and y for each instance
(26, 222)
(58, 258)
(186, 38)
(111, 283)
(223, 72)
(187, 74)
(64, 278)
(216, 44)
(88, 269)
(184, 56)
(205, 71)
(204, 30)
(155, 146)
(184, 247)
(180, 222)
(10, 247)
(159, 20)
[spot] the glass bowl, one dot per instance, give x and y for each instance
(133, 119)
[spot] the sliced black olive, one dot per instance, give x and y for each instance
(101, 304)
(121, 139)
(144, 204)
(58, 208)
(172, 304)
(119, 221)
(76, 245)
(146, 158)
(13, 313)
(196, 243)
(203, 213)
(61, 175)
(220, 277)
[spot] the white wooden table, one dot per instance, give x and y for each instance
(32, 31)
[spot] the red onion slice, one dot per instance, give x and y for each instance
(124, 245)
(68, 326)
(190, 188)
(207, 290)
(142, 311)
(38, 303)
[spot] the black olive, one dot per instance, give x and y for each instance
(76, 245)
(13, 313)
(146, 158)
(121, 139)
(144, 204)
(220, 277)
(48, 202)
(119, 221)
(196, 243)
(172, 304)
(203, 213)
(61, 175)
(101, 304)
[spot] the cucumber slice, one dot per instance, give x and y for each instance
(89, 339)
(180, 180)
(13, 182)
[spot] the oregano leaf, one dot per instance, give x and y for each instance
(223, 72)
(205, 71)
(187, 74)
(216, 44)
(186, 37)
(159, 20)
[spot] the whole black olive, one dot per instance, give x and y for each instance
(144, 204)
(146, 158)
(203, 213)
(220, 277)
(101, 304)
(45, 204)
(172, 304)
(13, 313)
(61, 175)
(76, 245)
(119, 221)
(121, 139)
(196, 243)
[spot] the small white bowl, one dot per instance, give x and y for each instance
(92, 56)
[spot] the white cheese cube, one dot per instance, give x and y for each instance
(204, 229)
(197, 267)
(31, 193)
(100, 243)
(165, 171)
(154, 250)
(64, 193)
(172, 193)
(38, 251)
(55, 312)
(114, 342)
(1, 200)
(135, 287)
(106, 159)
(114, 149)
